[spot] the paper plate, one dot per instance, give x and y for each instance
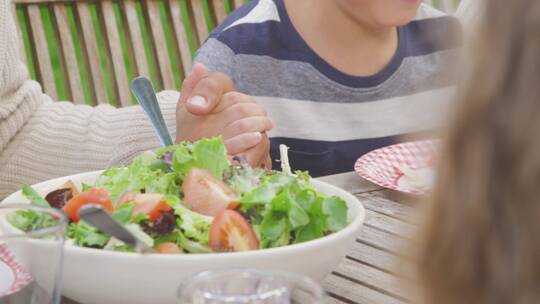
(406, 167)
(13, 275)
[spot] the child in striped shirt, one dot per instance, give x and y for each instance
(337, 78)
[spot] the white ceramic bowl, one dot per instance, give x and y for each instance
(94, 276)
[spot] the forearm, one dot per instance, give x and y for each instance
(62, 139)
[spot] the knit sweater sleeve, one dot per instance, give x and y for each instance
(42, 139)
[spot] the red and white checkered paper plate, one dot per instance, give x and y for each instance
(13, 275)
(381, 166)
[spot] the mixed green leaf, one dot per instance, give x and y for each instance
(286, 209)
(282, 208)
(29, 220)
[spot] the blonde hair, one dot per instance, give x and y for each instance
(480, 244)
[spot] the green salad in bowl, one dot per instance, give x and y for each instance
(191, 198)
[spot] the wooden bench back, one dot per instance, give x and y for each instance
(108, 42)
(87, 51)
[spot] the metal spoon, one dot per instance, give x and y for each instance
(146, 96)
(99, 218)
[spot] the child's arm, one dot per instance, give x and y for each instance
(210, 106)
(242, 122)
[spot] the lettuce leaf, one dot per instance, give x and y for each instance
(30, 220)
(34, 197)
(123, 213)
(291, 210)
(193, 225)
(117, 245)
(244, 179)
(209, 154)
(269, 188)
(147, 172)
(335, 210)
(86, 235)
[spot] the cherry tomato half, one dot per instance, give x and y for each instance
(206, 194)
(230, 231)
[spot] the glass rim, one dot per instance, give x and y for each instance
(301, 280)
(58, 214)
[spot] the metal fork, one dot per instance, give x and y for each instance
(146, 96)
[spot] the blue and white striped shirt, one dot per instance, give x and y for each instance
(326, 117)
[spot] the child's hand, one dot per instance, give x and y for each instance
(210, 106)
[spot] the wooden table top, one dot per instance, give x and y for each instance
(370, 273)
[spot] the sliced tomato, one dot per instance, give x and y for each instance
(93, 196)
(230, 231)
(206, 194)
(168, 248)
(151, 204)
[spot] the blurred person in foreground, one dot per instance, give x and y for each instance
(480, 243)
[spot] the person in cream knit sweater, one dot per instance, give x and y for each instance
(41, 139)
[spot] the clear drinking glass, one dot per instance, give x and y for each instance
(249, 286)
(31, 260)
